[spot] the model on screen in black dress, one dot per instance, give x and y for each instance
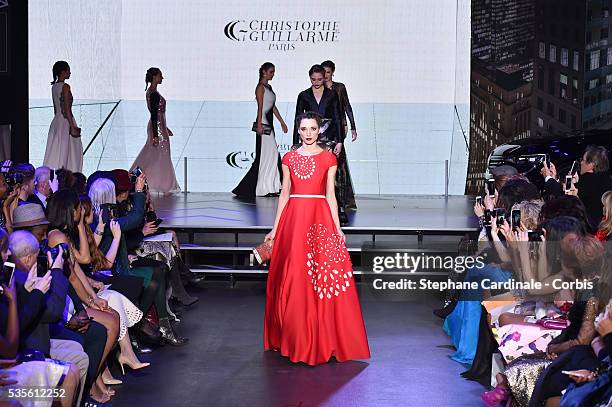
(323, 101)
(265, 175)
(344, 186)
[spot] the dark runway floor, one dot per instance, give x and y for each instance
(224, 363)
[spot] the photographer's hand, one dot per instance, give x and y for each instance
(31, 279)
(58, 262)
(115, 229)
(507, 231)
(494, 229)
(140, 182)
(10, 293)
(479, 210)
(149, 229)
(44, 283)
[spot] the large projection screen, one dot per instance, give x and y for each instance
(405, 65)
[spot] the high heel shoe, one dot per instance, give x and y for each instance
(108, 379)
(496, 396)
(132, 365)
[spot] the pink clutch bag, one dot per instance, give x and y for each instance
(263, 252)
(553, 323)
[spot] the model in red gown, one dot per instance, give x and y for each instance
(312, 307)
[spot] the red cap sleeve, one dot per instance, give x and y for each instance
(332, 159)
(285, 159)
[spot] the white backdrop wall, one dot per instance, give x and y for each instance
(405, 64)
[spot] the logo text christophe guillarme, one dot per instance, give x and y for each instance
(283, 35)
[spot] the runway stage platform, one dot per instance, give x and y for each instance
(217, 230)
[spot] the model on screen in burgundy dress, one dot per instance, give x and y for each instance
(312, 307)
(154, 158)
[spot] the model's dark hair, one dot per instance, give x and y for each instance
(316, 69)
(329, 64)
(60, 212)
(598, 155)
(308, 115)
(563, 206)
(58, 68)
(151, 72)
(264, 68)
(80, 182)
(515, 191)
(556, 230)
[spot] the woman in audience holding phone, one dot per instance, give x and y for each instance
(16, 374)
(102, 192)
(64, 213)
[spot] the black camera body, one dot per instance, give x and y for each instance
(42, 260)
(151, 216)
(13, 178)
(55, 250)
(535, 235)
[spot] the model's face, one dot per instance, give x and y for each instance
(317, 80)
(65, 74)
(329, 74)
(586, 166)
(309, 131)
(269, 74)
(158, 78)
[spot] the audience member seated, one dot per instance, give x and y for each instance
(102, 193)
(41, 302)
(20, 180)
(59, 325)
(42, 187)
(67, 227)
(31, 217)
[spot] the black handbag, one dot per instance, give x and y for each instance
(267, 129)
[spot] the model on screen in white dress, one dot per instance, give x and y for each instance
(154, 158)
(64, 146)
(264, 176)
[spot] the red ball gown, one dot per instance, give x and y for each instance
(312, 308)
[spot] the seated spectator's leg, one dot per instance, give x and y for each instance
(110, 320)
(70, 386)
(93, 342)
(72, 351)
